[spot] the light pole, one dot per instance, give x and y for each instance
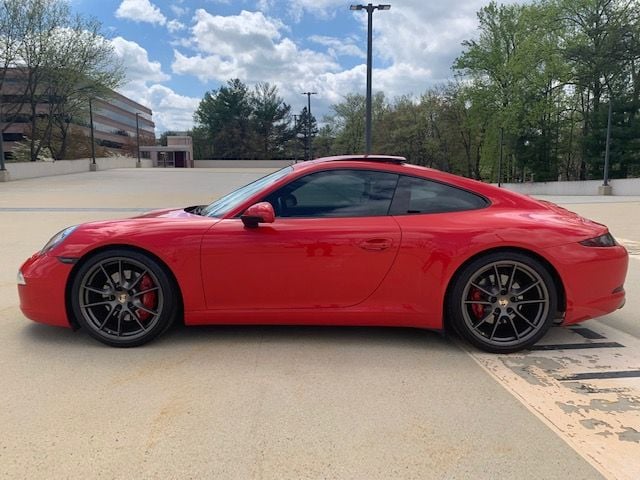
(369, 8)
(309, 144)
(2, 167)
(138, 163)
(93, 167)
(295, 144)
(607, 143)
(500, 159)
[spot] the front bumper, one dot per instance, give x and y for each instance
(42, 296)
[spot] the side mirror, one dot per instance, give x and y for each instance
(258, 213)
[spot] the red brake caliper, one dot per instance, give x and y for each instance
(148, 299)
(478, 309)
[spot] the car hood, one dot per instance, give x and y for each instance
(155, 231)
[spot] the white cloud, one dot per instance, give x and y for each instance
(140, 11)
(339, 47)
(235, 34)
(320, 8)
(254, 48)
(430, 35)
(135, 61)
(414, 45)
(171, 111)
(179, 11)
(175, 26)
(251, 47)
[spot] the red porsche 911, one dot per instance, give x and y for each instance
(351, 240)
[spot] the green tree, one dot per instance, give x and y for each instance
(518, 78)
(602, 46)
(306, 131)
(61, 60)
(270, 121)
(225, 115)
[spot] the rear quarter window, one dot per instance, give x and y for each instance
(418, 195)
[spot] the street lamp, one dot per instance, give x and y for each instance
(295, 144)
(500, 159)
(138, 163)
(309, 144)
(2, 167)
(606, 187)
(93, 167)
(369, 8)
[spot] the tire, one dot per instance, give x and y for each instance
(503, 302)
(123, 298)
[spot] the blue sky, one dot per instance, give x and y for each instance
(175, 51)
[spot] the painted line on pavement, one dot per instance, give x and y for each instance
(589, 397)
(76, 209)
(601, 375)
(587, 333)
(577, 346)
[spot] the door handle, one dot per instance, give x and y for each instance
(376, 244)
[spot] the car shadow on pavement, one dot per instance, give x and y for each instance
(182, 336)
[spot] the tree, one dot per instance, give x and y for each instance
(602, 46)
(270, 121)
(306, 131)
(83, 68)
(60, 60)
(225, 114)
(518, 77)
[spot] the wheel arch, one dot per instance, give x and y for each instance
(87, 256)
(557, 279)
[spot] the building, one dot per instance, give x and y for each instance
(114, 119)
(178, 152)
(114, 122)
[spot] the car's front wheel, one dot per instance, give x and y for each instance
(503, 302)
(123, 298)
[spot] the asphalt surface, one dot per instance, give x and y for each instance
(293, 402)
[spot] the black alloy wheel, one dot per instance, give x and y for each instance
(503, 302)
(123, 298)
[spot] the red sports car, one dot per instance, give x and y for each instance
(351, 240)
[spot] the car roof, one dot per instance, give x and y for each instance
(396, 164)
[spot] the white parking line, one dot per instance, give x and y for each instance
(589, 396)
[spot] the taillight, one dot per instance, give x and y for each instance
(605, 240)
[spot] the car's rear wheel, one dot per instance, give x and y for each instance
(503, 302)
(123, 298)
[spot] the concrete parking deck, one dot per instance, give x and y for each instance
(297, 403)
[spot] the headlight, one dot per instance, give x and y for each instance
(605, 240)
(58, 238)
(20, 279)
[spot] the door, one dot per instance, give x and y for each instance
(331, 245)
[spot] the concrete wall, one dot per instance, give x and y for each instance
(22, 170)
(242, 163)
(626, 186)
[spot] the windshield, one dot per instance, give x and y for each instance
(223, 205)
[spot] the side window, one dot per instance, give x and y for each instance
(417, 195)
(336, 193)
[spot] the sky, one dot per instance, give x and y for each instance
(175, 51)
